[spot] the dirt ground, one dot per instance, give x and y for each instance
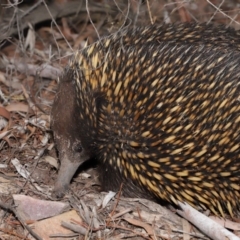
(37, 38)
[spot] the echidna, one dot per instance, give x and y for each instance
(159, 108)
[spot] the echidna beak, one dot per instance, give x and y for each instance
(66, 173)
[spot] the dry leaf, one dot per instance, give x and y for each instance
(52, 226)
(139, 223)
(4, 113)
(35, 209)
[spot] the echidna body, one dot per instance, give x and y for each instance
(161, 117)
(186, 33)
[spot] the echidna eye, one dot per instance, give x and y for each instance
(77, 147)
